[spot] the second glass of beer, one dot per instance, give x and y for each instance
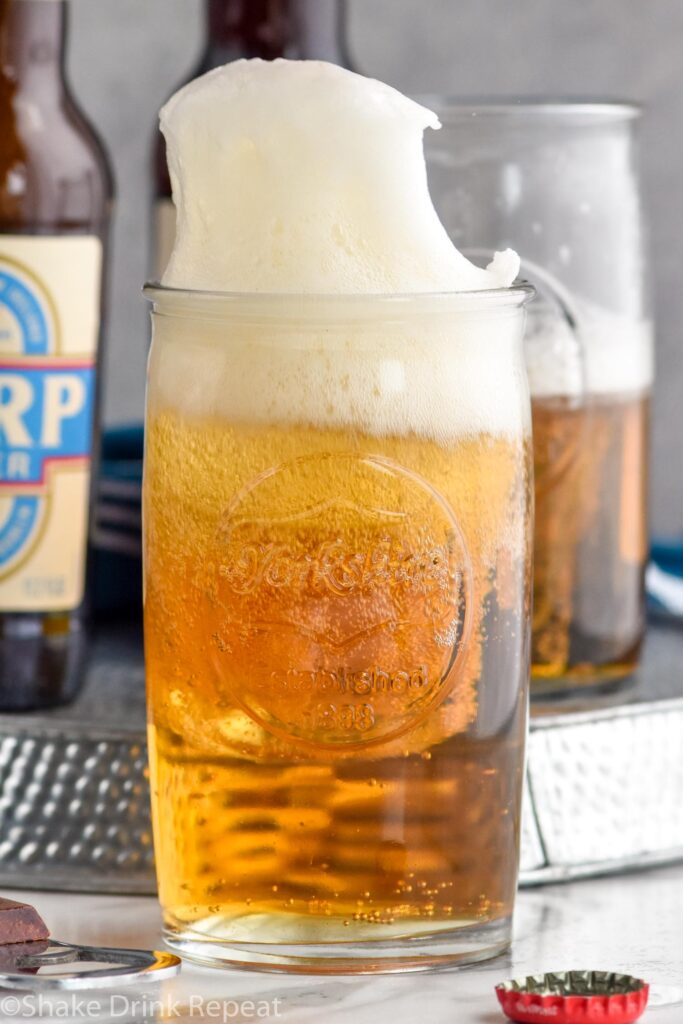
(564, 179)
(337, 561)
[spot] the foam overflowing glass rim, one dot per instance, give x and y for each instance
(312, 307)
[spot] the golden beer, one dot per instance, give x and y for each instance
(591, 537)
(336, 631)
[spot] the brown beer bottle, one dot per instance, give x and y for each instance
(296, 29)
(55, 198)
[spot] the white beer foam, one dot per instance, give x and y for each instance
(604, 354)
(303, 177)
(440, 384)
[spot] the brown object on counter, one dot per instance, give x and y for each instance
(20, 922)
(11, 957)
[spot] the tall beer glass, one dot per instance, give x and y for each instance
(337, 545)
(564, 178)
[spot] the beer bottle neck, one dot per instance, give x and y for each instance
(32, 44)
(322, 28)
(297, 29)
(322, 31)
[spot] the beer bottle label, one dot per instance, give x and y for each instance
(164, 235)
(49, 328)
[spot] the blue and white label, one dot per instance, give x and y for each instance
(46, 415)
(47, 396)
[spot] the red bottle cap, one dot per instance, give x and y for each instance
(574, 997)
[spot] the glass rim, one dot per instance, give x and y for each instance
(311, 306)
(590, 108)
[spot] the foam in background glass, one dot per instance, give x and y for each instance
(559, 182)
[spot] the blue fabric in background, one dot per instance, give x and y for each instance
(669, 556)
(116, 537)
(122, 452)
(118, 548)
(664, 580)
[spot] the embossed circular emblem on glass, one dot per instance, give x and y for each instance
(340, 598)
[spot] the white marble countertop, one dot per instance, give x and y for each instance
(632, 923)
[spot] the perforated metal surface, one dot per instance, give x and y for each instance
(603, 782)
(74, 807)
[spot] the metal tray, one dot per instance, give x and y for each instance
(604, 780)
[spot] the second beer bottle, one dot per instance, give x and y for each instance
(296, 29)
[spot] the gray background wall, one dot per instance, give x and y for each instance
(126, 56)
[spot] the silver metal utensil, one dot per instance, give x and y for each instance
(128, 966)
